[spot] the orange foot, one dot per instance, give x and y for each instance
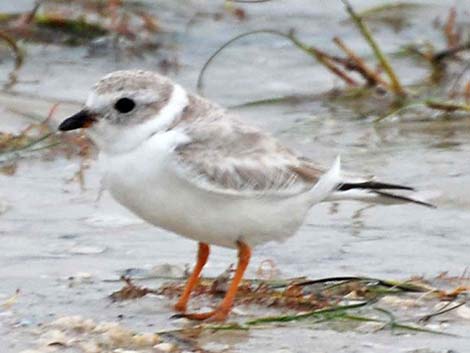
(217, 315)
(222, 312)
(180, 307)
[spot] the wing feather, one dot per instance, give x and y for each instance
(226, 156)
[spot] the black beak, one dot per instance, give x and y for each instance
(82, 119)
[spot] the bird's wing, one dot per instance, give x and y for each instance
(229, 157)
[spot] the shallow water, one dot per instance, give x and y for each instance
(52, 230)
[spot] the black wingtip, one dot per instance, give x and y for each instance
(373, 185)
(404, 199)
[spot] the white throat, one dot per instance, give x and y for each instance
(113, 139)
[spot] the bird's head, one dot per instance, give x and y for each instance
(126, 107)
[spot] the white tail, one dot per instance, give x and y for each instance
(327, 184)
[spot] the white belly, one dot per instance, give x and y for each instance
(147, 185)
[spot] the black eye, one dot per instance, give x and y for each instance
(124, 105)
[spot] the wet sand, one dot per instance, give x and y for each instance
(65, 250)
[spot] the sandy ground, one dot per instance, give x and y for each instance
(65, 248)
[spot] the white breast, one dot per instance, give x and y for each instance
(145, 181)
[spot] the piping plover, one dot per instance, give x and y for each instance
(186, 165)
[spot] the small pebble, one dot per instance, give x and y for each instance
(81, 277)
(116, 336)
(90, 347)
(145, 340)
(53, 337)
(74, 323)
(104, 326)
(164, 347)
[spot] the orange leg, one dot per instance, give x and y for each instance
(222, 311)
(202, 255)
